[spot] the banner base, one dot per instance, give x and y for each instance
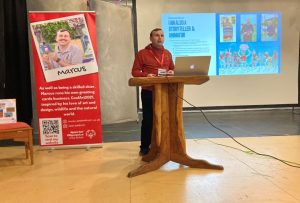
(86, 146)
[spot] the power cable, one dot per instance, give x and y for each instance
(296, 165)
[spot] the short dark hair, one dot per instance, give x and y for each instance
(64, 30)
(155, 30)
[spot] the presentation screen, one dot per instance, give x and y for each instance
(254, 47)
(238, 43)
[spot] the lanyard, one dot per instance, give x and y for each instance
(161, 62)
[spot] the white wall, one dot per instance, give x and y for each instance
(57, 5)
(115, 55)
(235, 90)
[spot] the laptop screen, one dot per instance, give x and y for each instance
(191, 65)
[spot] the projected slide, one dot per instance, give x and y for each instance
(186, 35)
(238, 43)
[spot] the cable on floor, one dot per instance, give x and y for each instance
(247, 152)
(296, 165)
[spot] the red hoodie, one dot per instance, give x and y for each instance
(149, 60)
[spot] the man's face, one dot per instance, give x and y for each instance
(63, 38)
(157, 38)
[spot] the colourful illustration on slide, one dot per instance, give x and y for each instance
(257, 46)
(227, 28)
(248, 28)
(247, 59)
(269, 27)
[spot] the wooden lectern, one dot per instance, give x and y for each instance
(168, 141)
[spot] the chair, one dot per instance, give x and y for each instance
(18, 131)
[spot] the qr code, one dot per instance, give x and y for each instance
(51, 127)
(50, 131)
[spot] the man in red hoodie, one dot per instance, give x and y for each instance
(148, 62)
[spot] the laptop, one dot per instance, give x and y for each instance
(191, 65)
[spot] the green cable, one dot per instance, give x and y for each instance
(247, 152)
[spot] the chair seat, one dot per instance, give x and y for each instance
(10, 126)
(18, 131)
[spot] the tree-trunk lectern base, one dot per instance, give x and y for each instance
(168, 141)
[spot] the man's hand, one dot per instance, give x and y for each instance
(54, 57)
(151, 75)
(46, 58)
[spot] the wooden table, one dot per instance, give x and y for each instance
(18, 131)
(168, 140)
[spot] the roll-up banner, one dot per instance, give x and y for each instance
(66, 78)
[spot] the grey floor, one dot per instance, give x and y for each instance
(236, 123)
